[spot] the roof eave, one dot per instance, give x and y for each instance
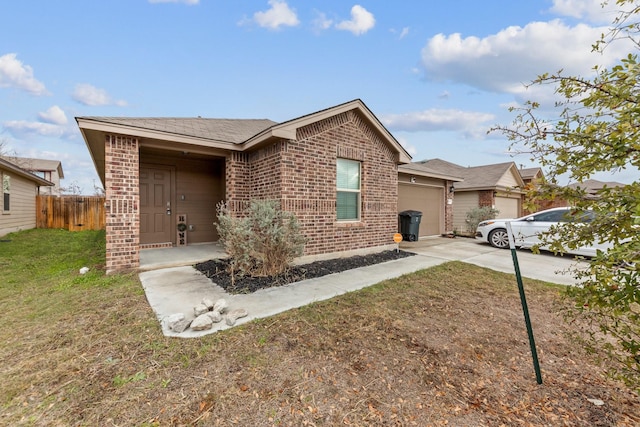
(428, 174)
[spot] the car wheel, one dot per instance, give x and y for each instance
(499, 238)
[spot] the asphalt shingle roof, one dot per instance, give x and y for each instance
(228, 130)
(474, 176)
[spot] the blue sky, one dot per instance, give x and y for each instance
(437, 76)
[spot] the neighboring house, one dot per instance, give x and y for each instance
(335, 169)
(531, 176)
(18, 203)
(593, 186)
(499, 186)
(50, 170)
(430, 192)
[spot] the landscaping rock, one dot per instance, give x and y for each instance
(200, 309)
(177, 322)
(220, 306)
(202, 322)
(181, 326)
(215, 316)
(235, 315)
(208, 302)
(173, 319)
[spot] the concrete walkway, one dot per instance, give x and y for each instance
(177, 289)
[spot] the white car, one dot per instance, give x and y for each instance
(527, 230)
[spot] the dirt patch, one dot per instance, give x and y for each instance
(217, 271)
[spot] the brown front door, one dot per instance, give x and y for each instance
(155, 205)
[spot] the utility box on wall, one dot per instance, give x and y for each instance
(182, 230)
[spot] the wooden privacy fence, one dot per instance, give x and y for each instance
(73, 213)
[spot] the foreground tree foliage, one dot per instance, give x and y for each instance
(597, 129)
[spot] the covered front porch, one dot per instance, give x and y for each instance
(177, 256)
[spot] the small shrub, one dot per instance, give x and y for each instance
(476, 215)
(264, 242)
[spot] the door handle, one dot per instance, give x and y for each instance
(168, 208)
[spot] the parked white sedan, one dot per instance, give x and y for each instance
(527, 230)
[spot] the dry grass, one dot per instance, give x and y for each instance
(445, 346)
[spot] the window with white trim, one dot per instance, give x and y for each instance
(348, 190)
(6, 192)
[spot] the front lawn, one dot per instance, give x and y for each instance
(446, 345)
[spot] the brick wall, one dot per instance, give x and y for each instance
(486, 199)
(301, 174)
(122, 203)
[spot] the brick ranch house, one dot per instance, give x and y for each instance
(335, 169)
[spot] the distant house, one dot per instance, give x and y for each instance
(531, 176)
(498, 185)
(423, 189)
(50, 170)
(18, 203)
(593, 186)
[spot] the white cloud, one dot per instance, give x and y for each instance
(361, 21)
(189, 2)
(21, 127)
(13, 73)
(87, 94)
(279, 15)
(590, 10)
(437, 120)
(503, 62)
(321, 22)
(404, 33)
(53, 115)
(51, 123)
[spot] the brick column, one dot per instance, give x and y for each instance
(486, 199)
(238, 182)
(122, 201)
(448, 207)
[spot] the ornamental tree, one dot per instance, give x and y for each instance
(595, 127)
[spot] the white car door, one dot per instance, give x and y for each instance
(529, 228)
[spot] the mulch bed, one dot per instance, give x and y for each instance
(217, 271)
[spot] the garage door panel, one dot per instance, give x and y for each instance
(429, 201)
(508, 207)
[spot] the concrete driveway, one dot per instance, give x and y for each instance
(544, 266)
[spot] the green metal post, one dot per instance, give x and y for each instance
(523, 300)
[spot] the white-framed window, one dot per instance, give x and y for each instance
(348, 190)
(6, 192)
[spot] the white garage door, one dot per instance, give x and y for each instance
(429, 201)
(509, 208)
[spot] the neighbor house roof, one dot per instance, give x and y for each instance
(216, 136)
(31, 164)
(17, 170)
(530, 173)
(476, 177)
(592, 186)
(423, 170)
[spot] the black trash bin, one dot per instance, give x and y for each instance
(410, 224)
